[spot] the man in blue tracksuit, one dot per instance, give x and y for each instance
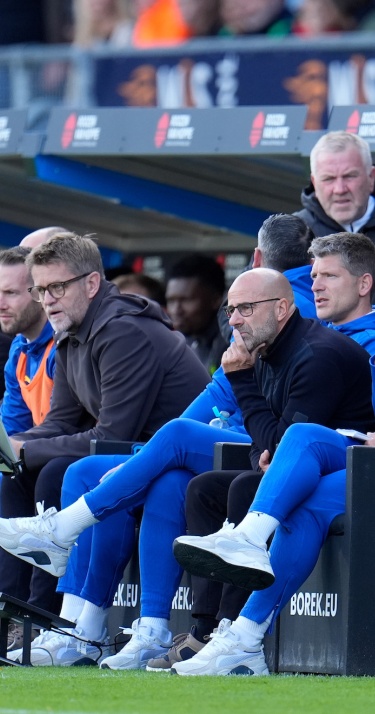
(32, 352)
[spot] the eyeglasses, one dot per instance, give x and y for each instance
(245, 309)
(56, 290)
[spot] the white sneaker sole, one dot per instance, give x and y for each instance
(207, 564)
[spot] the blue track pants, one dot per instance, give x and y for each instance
(304, 488)
(155, 478)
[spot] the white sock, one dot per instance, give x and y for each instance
(157, 623)
(74, 519)
(251, 633)
(93, 621)
(72, 606)
(257, 527)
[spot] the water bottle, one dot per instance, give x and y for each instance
(220, 420)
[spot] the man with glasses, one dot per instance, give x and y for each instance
(121, 373)
(275, 369)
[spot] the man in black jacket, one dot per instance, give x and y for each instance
(342, 181)
(121, 373)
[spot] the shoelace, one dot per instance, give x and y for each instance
(218, 642)
(226, 526)
(180, 639)
(40, 523)
(136, 635)
(44, 635)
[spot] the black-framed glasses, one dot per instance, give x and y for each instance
(245, 309)
(56, 290)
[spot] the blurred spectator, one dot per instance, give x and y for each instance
(99, 22)
(195, 289)
(169, 22)
(140, 284)
(317, 17)
(245, 17)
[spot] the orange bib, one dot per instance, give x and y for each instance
(37, 393)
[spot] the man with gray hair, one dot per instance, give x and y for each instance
(283, 243)
(121, 373)
(342, 182)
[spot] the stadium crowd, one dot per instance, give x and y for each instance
(148, 23)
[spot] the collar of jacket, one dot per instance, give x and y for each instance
(285, 342)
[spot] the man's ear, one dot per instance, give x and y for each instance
(372, 179)
(257, 258)
(93, 284)
(282, 308)
(365, 285)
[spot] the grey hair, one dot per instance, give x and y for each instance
(337, 141)
(357, 252)
(79, 253)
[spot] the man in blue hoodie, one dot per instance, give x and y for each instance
(32, 353)
(342, 292)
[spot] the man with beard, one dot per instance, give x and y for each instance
(30, 367)
(121, 373)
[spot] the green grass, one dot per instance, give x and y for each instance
(81, 689)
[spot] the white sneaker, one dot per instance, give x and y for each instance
(144, 644)
(33, 540)
(227, 556)
(16, 654)
(63, 650)
(225, 654)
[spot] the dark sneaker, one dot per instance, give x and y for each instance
(184, 647)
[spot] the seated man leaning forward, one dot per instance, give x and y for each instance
(271, 338)
(121, 373)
